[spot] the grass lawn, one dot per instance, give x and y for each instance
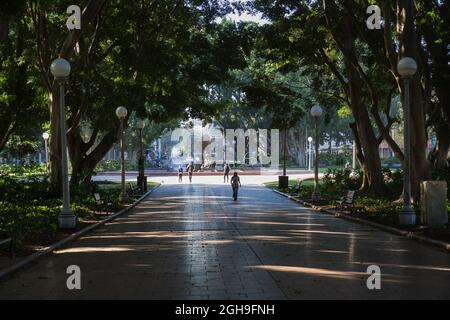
(292, 183)
(306, 189)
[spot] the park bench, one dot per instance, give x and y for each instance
(348, 202)
(134, 191)
(296, 188)
(101, 205)
(10, 243)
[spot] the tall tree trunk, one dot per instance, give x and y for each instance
(297, 145)
(89, 14)
(442, 128)
(419, 139)
(368, 154)
(84, 159)
(373, 183)
(330, 143)
(436, 77)
(439, 156)
(6, 130)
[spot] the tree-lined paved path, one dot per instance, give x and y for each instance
(193, 242)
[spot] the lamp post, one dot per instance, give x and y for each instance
(316, 113)
(46, 136)
(121, 113)
(283, 181)
(285, 152)
(310, 140)
(60, 68)
(141, 178)
(407, 68)
(224, 147)
(234, 153)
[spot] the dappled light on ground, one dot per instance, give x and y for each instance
(194, 242)
(313, 271)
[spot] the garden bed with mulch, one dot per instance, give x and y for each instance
(382, 211)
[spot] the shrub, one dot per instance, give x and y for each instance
(114, 165)
(390, 161)
(442, 175)
(24, 189)
(334, 160)
(337, 182)
(306, 191)
(22, 170)
(378, 205)
(28, 209)
(394, 181)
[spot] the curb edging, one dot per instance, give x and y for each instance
(11, 269)
(393, 230)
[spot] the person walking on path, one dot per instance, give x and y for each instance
(190, 170)
(226, 172)
(235, 184)
(180, 174)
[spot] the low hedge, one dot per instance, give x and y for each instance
(28, 209)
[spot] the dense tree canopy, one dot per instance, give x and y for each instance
(357, 67)
(169, 60)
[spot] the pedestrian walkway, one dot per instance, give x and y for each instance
(191, 241)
